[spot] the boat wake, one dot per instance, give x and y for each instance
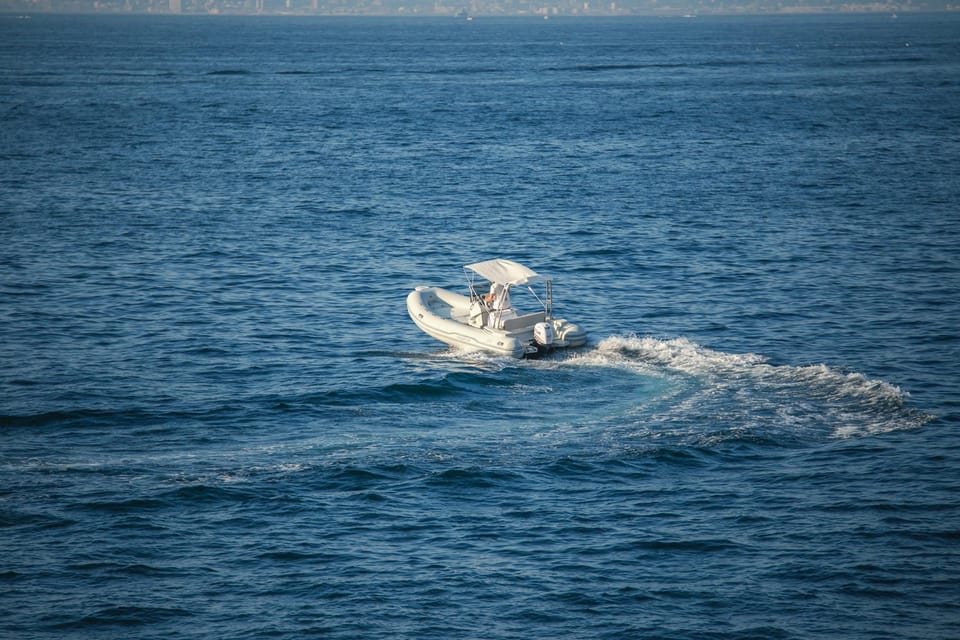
(730, 394)
(622, 397)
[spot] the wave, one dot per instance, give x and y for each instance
(123, 616)
(72, 416)
(231, 72)
(634, 66)
(147, 417)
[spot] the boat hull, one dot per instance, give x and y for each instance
(438, 313)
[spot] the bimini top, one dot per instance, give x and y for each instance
(505, 272)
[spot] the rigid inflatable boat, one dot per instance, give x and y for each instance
(487, 320)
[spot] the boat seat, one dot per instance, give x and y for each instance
(524, 321)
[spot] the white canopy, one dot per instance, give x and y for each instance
(505, 272)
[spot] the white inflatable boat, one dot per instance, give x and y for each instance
(487, 320)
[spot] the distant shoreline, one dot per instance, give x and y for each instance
(27, 13)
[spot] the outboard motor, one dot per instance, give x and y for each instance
(543, 336)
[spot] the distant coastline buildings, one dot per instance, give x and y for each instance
(465, 8)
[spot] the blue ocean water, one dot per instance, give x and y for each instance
(217, 420)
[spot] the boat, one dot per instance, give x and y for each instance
(486, 320)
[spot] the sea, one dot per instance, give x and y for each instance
(218, 421)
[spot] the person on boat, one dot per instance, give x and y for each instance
(499, 302)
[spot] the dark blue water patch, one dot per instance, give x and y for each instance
(472, 479)
(696, 546)
(133, 505)
(132, 423)
(120, 616)
(16, 518)
(80, 417)
(396, 393)
(297, 557)
(111, 570)
(231, 72)
(363, 479)
(205, 495)
(467, 71)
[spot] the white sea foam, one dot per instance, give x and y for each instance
(743, 391)
(679, 353)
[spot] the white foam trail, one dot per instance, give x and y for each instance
(744, 391)
(679, 354)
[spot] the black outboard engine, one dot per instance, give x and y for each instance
(543, 337)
